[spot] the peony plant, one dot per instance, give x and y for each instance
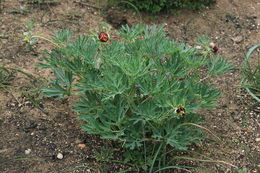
(142, 91)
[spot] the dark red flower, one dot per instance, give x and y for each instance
(180, 110)
(103, 37)
(214, 47)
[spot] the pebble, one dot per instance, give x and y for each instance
(237, 39)
(28, 151)
(198, 47)
(81, 146)
(257, 139)
(78, 141)
(42, 127)
(60, 156)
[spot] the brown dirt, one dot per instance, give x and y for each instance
(49, 127)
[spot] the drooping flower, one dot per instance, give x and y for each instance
(180, 110)
(214, 47)
(168, 75)
(26, 40)
(103, 37)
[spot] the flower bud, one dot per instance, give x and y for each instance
(168, 75)
(103, 37)
(138, 86)
(180, 110)
(26, 39)
(213, 46)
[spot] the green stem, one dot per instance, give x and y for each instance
(43, 38)
(20, 71)
(164, 157)
(155, 157)
(145, 159)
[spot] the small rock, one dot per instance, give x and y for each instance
(258, 21)
(198, 47)
(78, 141)
(81, 146)
(237, 39)
(22, 7)
(12, 104)
(27, 103)
(28, 151)
(42, 127)
(59, 156)
(257, 139)
(52, 146)
(233, 106)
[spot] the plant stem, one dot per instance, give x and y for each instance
(43, 38)
(145, 159)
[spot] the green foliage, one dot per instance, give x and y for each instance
(61, 86)
(155, 6)
(142, 91)
(30, 25)
(251, 74)
(33, 92)
(6, 76)
(105, 154)
(28, 36)
(216, 66)
(244, 170)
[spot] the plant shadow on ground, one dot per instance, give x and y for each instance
(56, 130)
